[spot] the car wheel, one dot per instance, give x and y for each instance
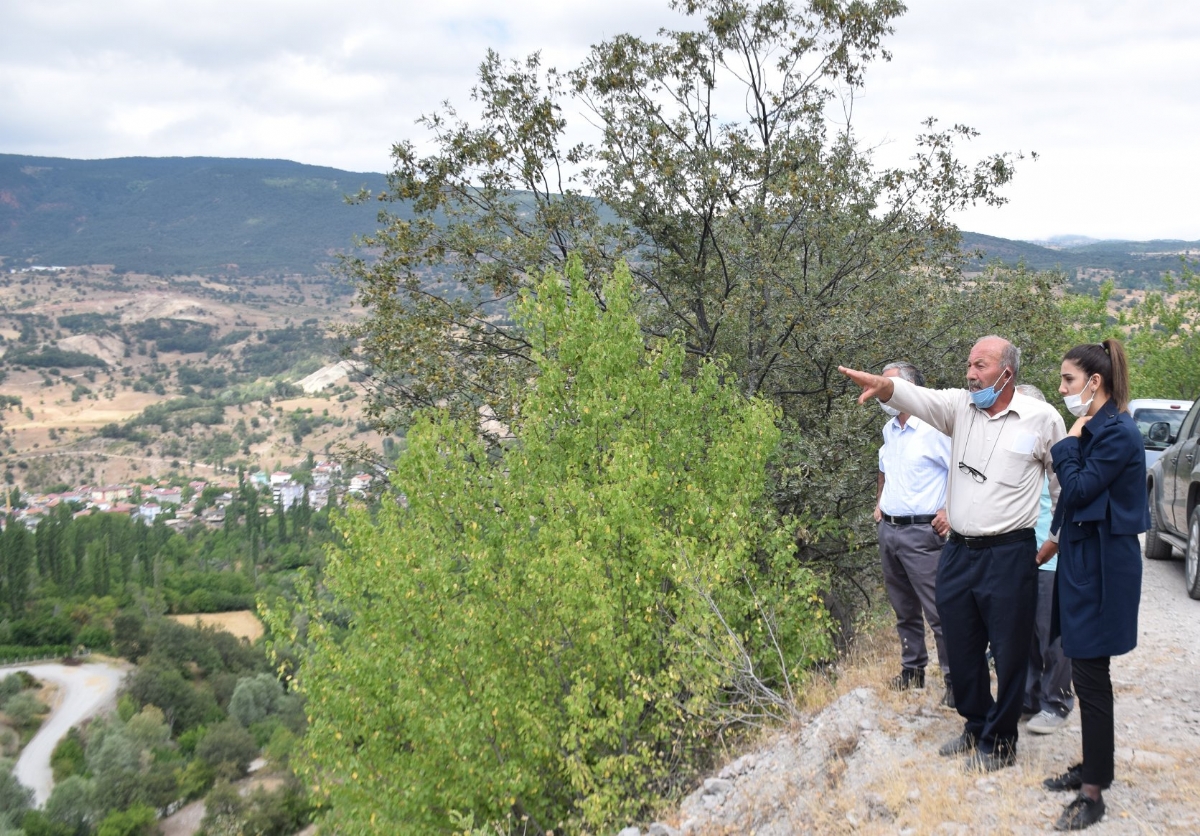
(1156, 547)
(1191, 572)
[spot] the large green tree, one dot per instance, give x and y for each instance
(559, 633)
(725, 169)
(753, 220)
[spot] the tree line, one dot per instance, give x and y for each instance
(65, 582)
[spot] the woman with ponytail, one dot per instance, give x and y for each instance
(1101, 510)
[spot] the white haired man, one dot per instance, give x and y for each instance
(987, 575)
(914, 464)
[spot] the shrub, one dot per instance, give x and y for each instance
(23, 709)
(138, 820)
(227, 743)
(254, 698)
(10, 685)
(595, 605)
(67, 759)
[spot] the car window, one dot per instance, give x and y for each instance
(1189, 424)
(1147, 416)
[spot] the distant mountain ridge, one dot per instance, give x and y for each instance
(180, 214)
(1127, 263)
(214, 215)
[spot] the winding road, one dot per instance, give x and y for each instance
(84, 690)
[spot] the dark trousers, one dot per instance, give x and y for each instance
(988, 596)
(1093, 686)
(910, 556)
(1048, 683)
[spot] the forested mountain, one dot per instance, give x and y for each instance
(179, 214)
(209, 215)
(1129, 264)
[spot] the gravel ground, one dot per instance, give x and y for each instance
(867, 763)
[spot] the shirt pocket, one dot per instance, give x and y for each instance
(1012, 467)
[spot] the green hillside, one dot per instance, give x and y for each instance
(1127, 263)
(179, 214)
(209, 215)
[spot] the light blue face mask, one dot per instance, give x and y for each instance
(984, 398)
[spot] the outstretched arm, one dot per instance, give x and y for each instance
(872, 385)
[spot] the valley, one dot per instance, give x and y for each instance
(110, 378)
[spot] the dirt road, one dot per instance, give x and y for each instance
(84, 690)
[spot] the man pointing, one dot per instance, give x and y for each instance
(987, 574)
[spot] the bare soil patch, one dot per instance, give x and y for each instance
(108, 348)
(242, 623)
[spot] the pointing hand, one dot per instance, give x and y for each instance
(872, 385)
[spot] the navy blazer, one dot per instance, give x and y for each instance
(1100, 513)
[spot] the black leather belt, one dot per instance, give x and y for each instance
(919, 519)
(993, 540)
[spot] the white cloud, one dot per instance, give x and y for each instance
(1102, 89)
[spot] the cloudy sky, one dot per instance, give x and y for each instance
(1106, 91)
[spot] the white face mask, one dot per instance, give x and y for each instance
(890, 410)
(1075, 403)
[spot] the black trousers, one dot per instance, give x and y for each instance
(989, 596)
(1093, 687)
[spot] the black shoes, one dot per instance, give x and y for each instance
(1072, 779)
(908, 678)
(990, 761)
(1080, 813)
(960, 745)
(979, 761)
(948, 697)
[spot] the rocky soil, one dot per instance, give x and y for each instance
(867, 762)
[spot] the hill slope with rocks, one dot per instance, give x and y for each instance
(867, 762)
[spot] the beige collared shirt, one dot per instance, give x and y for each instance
(1011, 448)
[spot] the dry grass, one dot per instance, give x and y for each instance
(894, 782)
(243, 623)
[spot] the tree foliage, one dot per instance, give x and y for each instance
(559, 632)
(726, 171)
(227, 743)
(255, 698)
(1161, 334)
(15, 797)
(72, 805)
(752, 222)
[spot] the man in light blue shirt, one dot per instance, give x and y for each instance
(1048, 697)
(914, 464)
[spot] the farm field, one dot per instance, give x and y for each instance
(109, 378)
(242, 623)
